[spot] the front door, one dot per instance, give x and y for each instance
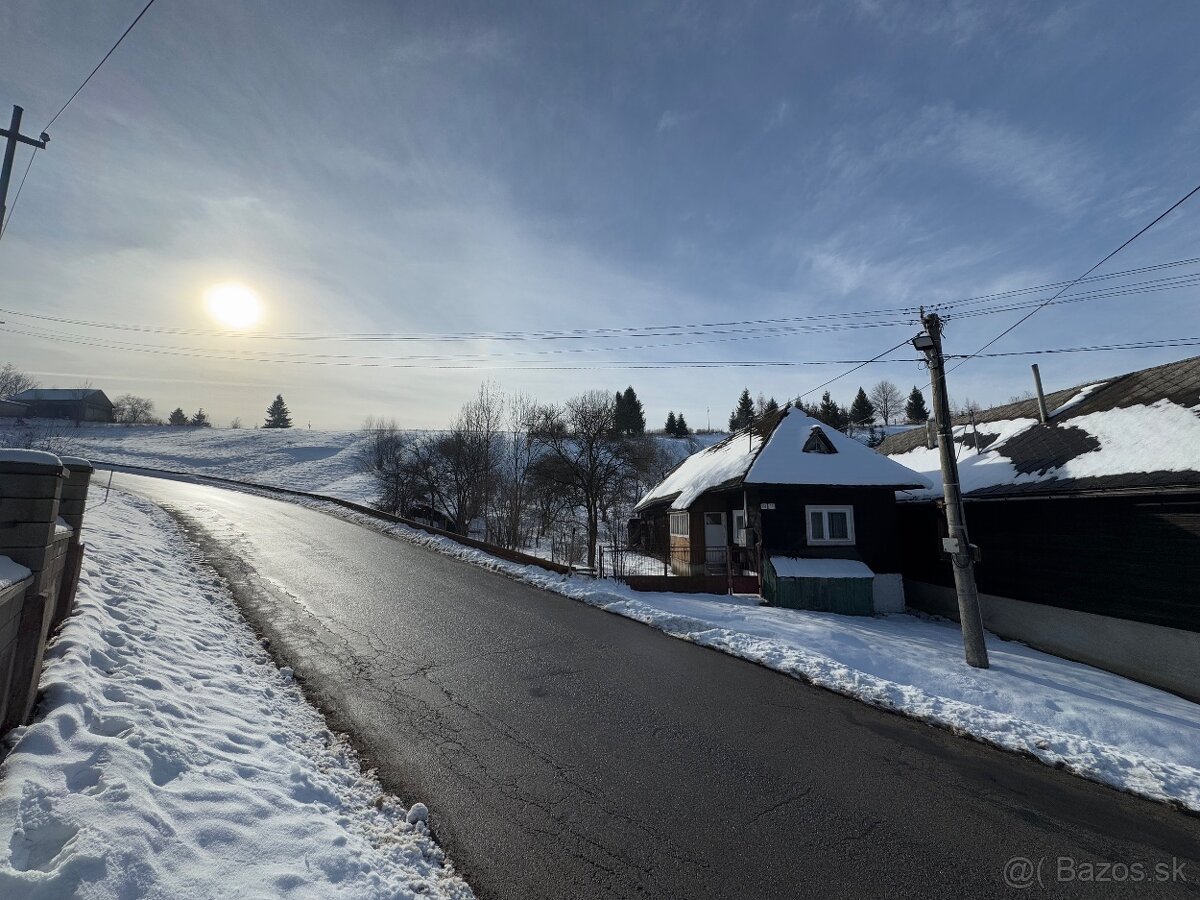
(715, 539)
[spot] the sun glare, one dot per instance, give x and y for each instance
(233, 304)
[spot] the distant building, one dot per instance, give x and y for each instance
(76, 404)
(10, 409)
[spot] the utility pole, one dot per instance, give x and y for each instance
(14, 137)
(962, 554)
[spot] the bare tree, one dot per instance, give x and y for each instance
(512, 496)
(585, 456)
(129, 409)
(385, 454)
(13, 380)
(887, 400)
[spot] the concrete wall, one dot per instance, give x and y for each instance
(32, 534)
(1168, 658)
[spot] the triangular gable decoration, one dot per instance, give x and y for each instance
(818, 442)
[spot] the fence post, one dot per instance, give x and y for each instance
(30, 489)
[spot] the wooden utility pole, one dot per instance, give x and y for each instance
(14, 136)
(962, 554)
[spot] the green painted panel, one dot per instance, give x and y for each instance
(847, 596)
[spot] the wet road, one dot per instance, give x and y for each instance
(566, 752)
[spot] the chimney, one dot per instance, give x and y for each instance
(1043, 415)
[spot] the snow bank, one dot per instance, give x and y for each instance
(1094, 723)
(173, 759)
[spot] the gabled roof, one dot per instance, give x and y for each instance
(1139, 431)
(34, 395)
(771, 451)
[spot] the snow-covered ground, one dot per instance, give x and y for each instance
(1094, 723)
(298, 458)
(172, 758)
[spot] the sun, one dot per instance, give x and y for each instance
(233, 304)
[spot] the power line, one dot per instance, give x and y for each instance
(1174, 206)
(852, 371)
(17, 196)
(112, 50)
(769, 326)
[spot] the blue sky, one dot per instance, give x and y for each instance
(433, 167)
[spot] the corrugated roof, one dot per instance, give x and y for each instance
(1139, 431)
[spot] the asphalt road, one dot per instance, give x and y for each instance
(569, 753)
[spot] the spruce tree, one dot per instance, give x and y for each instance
(915, 410)
(772, 405)
(828, 411)
(630, 416)
(278, 415)
(743, 414)
(681, 427)
(671, 424)
(177, 417)
(862, 410)
(200, 419)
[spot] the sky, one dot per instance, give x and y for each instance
(457, 169)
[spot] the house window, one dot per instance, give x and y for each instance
(830, 524)
(739, 527)
(679, 524)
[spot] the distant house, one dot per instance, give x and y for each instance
(779, 499)
(77, 404)
(1088, 524)
(10, 409)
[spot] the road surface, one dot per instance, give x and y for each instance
(566, 752)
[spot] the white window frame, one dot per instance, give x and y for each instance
(739, 530)
(678, 530)
(824, 511)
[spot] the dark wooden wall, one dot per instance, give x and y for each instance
(1134, 558)
(784, 530)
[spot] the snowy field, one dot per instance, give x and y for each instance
(298, 458)
(1091, 722)
(172, 758)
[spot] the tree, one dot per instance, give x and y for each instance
(13, 381)
(177, 417)
(915, 410)
(200, 419)
(585, 458)
(672, 424)
(743, 413)
(384, 455)
(830, 413)
(278, 415)
(132, 410)
(862, 410)
(681, 427)
(886, 397)
(630, 417)
(772, 406)
(236, 423)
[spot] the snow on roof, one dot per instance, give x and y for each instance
(771, 452)
(1134, 432)
(799, 567)
(11, 573)
(57, 394)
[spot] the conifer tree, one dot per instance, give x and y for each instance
(671, 425)
(862, 410)
(630, 417)
(743, 414)
(278, 415)
(681, 427)
(772, 405)
(915, 410)
(831, 413)
(177, 417)
(200, 419)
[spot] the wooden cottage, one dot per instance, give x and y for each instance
(786, 489)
